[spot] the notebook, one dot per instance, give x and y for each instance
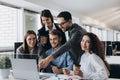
(26, 69)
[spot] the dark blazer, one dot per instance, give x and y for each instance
(42, 31)
(73, 44)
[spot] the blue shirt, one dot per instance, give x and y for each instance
(63, 61)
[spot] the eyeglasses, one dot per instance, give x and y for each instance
(61, 24)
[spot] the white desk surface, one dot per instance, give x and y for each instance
(113, 59)
(110, 59)
(53, 77)
(12, 78)
(113, 79)
(63, 77)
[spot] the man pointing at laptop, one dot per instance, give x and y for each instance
(72, 45)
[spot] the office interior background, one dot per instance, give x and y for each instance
(16, 17)
(101, 17)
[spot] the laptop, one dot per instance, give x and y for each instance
(26, 69)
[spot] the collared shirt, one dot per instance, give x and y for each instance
(67, 35)
(73, 44)
(93, 67)
(63, 61)
(42, 31)
(47, 29)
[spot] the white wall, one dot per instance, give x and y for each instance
(38, 8)
(110, 35)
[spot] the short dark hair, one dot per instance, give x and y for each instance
(56, 32)
(46, 13)
(65, 14)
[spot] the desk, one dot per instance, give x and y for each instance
(113, 59)
(53, 77)
(116, 53)
(61, 76)
(12, 78)
(114, 62)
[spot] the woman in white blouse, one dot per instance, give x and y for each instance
(93, 64)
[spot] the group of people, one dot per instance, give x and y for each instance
(84, 50)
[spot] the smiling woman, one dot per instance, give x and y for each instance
(29, 46)
(12, 27)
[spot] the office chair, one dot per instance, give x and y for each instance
(16, 45)
(109, 50)
(108, 43)
(108, 47)
(115, 71)
(116, 45)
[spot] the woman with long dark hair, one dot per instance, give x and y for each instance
(93, 63)
(29, 48)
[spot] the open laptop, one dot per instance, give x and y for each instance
(26, 69)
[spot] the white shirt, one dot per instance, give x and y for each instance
(93, 67)
(67, 35)
(47, 29)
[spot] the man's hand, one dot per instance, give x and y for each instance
(44, 63)
(56, 70)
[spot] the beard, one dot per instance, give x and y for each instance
(67, 28)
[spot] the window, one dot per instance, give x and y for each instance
(98, 32)
(8, 26)
(104, 35)
(32, 21)
(87, 28)
(118, 36)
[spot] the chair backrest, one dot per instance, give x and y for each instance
(16, 45)
(109, 50)
(116, 45)
(115, 71)
(108, 43)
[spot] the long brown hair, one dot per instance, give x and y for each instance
(97, 47)
(25, 45)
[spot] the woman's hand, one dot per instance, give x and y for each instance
(78, 72)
